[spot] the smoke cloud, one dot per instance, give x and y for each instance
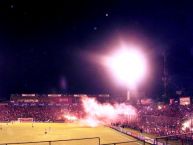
(97, 113)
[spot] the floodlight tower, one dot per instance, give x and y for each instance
(165, 75)
(129, 66)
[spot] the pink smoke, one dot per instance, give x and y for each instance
(97, 113)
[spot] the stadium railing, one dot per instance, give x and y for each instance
(54, 141)
(125, 143)
(79, 139)
(179, 139)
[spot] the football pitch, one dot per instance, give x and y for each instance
(28, 132)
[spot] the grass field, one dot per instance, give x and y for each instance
(24, 132)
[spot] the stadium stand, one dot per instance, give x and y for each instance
(164, 121)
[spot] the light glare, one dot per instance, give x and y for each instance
(129, 66)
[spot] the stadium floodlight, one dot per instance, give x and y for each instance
(128, 65)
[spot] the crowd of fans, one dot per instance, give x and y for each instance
(156, 119)
(162, 120)
(39, 113)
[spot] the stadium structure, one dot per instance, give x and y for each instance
(56, 119)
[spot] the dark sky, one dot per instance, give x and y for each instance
(45, 45)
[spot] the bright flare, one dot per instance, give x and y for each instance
(129, 66)
(70, 117)
(187, 125)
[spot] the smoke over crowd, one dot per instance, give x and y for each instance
(102, 114)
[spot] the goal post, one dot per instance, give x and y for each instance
(25, 120)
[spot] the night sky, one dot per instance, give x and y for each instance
(50, 46)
